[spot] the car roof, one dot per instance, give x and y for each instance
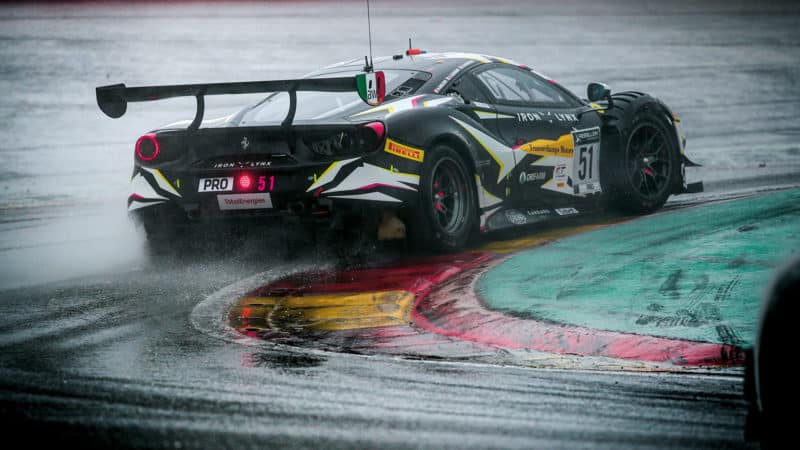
(436, 63)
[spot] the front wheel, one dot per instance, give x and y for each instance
(446, 215)
(643, 158)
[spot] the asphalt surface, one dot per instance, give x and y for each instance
(97, 342)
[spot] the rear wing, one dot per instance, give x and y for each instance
(113, 99)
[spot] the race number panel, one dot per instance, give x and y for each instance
(586, 161)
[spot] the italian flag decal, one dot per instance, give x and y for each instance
(371, 87)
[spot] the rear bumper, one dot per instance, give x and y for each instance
(313, 190)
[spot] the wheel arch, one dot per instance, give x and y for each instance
(457, 144)
(628, 104)
(618, 124)
(463, 150)
(427, 127)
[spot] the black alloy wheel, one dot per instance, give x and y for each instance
(446, 216)
(450, 198)
(648, 161)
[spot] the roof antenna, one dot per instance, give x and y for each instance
(368, 64)
(413, 51)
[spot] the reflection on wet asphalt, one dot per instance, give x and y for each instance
(119, 359)
(96, 342)
(286, 360)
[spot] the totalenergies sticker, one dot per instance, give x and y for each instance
(404, 151)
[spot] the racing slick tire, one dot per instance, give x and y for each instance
(641, 155)
(447, 213)
(163, 234)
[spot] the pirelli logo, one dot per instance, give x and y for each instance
(404, 151)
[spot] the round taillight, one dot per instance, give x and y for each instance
(147, 147)
(245, 182)
(378, 128)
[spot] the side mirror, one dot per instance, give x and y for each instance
(598, 91)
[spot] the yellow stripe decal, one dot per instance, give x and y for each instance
(563, 146)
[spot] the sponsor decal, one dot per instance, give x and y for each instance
(560, 176)
(587, 188)
(565, 117)
(548, 116)
(220, 184)
(404, 151)
(535, 176)
(515, 217)
(566, 211)
(546, 147)
(244, 201)
(586, 136)
(242, 164)
(537, 212)
(245, 143)
(529, 117)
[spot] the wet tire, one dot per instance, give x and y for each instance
(446, 215)
(775, 384)
(640, 167)
(164, 235)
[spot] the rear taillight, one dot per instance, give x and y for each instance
(378, 128)
(147, 147)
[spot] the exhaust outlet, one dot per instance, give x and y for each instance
(297, 208)
(391, 227)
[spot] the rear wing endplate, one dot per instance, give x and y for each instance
(113, 99)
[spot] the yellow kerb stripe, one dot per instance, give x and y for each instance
(324, 311)
(543, 238)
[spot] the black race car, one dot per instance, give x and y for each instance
(428, 146)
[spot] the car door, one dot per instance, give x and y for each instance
(476, 102)
(545, 130)
(493, 178)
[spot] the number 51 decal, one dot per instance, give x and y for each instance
(586, 161)
(585, 171)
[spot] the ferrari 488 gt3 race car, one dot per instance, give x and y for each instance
(433, 145)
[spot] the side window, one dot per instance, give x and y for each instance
(510, 85)
(467, 90)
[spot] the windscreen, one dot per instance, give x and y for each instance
(317, 105)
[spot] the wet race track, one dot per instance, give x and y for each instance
(610, 332)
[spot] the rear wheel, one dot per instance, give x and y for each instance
(641, 162)
(446, 214)
(165, 233)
